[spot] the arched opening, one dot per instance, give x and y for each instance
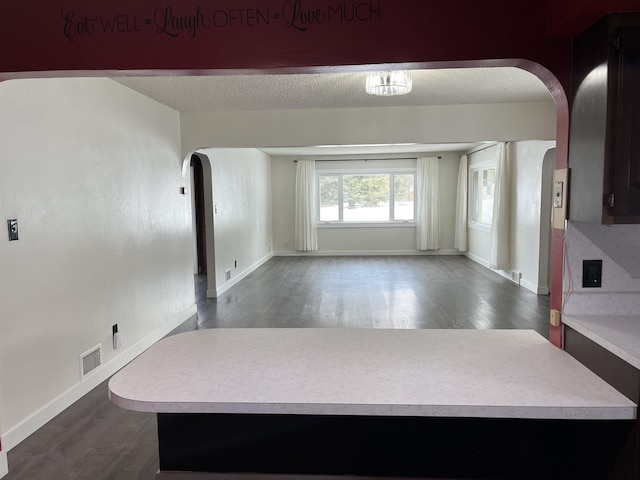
(199, 225)
(561, 105)
(201, 181)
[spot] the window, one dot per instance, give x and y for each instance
(481, 190)
(366, 197)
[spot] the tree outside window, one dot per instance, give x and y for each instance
(366, 197)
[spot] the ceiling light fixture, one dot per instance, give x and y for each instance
(387, 83)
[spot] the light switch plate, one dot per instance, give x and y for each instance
(12, 226)
(558, 187)
(559, 214)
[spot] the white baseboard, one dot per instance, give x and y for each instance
(537, 289)
(4, 468)
(532, 287)
(477, 259)
(38, 419)
(364, 253)
(240, 276)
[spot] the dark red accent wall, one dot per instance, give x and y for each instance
(94, 35)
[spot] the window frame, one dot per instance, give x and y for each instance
(473, 188)
(341, 172)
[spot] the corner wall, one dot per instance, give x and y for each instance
(242, 218)
(92, 172)
(529, 248)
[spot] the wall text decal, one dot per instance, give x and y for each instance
(176, 22)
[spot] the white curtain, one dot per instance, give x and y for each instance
(428, 211)
(460, 236)
(499, 259)
(305, 222)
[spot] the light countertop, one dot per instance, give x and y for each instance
(618, 334)
(441, 373)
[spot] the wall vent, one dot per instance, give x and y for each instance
(90, 360)
(227, 275)
(516, 276)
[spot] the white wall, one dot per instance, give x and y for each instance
(356, 240)
(92, 172)
(528, 246)
(242, 215)
(431, 124)
(478, 238)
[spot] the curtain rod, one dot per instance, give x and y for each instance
(364, 159)
(484, 148)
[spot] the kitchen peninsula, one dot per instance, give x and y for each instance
(418, 403)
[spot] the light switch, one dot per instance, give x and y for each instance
(12, 226)
(559, 201)
(557, 194)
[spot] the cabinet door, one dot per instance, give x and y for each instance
(622, 187)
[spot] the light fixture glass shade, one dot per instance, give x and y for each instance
(395, 82)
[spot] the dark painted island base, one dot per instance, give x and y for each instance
(618, 373)
(234, 445)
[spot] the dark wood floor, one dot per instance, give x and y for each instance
(375, 292)
(94, 439)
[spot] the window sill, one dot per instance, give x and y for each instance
(367, 225)
(480, 227)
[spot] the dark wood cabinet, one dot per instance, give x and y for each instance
(605, 131)
(622, 162)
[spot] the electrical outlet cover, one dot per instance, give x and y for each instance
(591, 273)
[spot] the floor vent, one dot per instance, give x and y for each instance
(90, 360)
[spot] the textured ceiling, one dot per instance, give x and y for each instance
(341, 90)
(337, 90)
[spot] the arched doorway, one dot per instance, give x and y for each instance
(199, 224)
(199, 168)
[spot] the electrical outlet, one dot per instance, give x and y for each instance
(592, 273)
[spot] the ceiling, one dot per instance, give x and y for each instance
(454, 86)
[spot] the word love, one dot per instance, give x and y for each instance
(300, 18)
